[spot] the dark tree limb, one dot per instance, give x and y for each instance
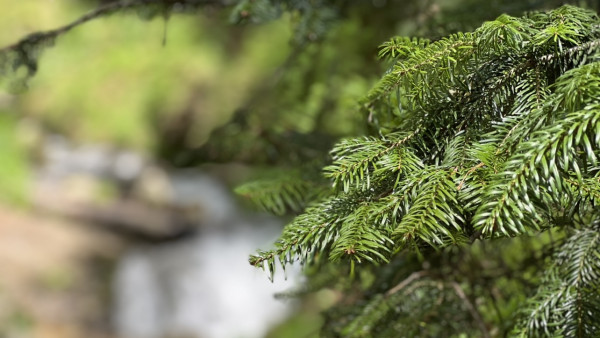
(101, 11)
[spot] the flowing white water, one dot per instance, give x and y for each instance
(202, 286)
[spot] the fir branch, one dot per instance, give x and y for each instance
(359, 239)
(308, 236)
(537, 159)
(283, 192)
(496, 133)
(354, 160)
(434, 214)
(400, 47)
(442, 52)
(568, 298)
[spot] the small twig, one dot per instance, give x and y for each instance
(461, 294)
(493, 296)
(413, 276)
(472, 170)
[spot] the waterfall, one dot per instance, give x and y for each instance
(201, 286)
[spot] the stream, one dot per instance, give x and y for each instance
(201, 286)
(196, 285)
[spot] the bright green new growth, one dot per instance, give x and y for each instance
(482, 135)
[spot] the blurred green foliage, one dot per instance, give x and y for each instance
(15, 173)
(113, 81)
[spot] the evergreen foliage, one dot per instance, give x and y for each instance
(475, 137)
(468, 205)
(568, 300)
(280, 193)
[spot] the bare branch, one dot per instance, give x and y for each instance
(101, 11)
(413, 276)
(461, 294)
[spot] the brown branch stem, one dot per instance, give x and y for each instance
(100, 12)
(474, 313)
(413, 276)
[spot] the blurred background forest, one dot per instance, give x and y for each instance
(119, 156)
